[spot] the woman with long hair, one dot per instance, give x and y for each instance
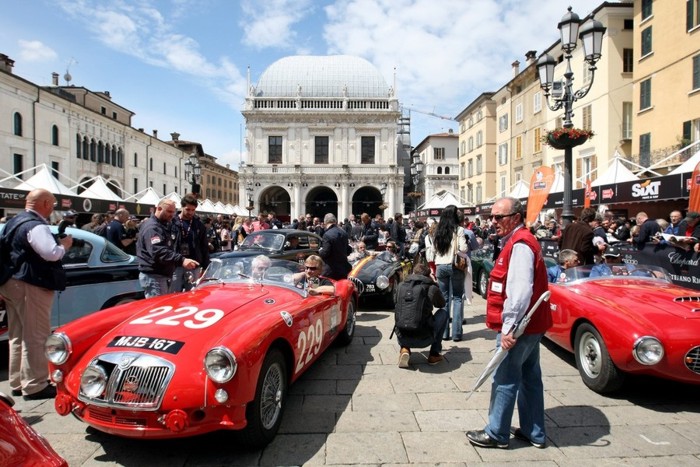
(449, 240)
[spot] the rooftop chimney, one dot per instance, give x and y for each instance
(175, 135)
(530, 56)
(54, 78)
(516, 68)
(6, 63)
(155, 133)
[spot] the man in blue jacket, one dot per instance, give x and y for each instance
(335, 249)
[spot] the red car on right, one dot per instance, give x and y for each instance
(630, 320)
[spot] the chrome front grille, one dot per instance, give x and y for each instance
(358, 285)
(692, 360)
(135, 381)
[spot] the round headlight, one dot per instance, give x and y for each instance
(57, 348)
(220, 364)
(93, 381)
(648, 350)
(382, 282)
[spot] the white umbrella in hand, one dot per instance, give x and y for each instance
(500, 354)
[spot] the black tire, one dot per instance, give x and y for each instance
(348, 332)
(264, 413)
(597, 370)
(483, 284)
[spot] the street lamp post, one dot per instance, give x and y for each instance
(382, 190)
(193, 169)
(249, 191)
(562, 91)
(416, 171)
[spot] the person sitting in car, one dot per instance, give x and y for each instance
(612, 265)
(311, 279)
(259, 267)
(390, 254)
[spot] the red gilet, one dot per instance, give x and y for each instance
(542, 318)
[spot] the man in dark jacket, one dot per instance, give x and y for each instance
(191, 241)
(368, 234)
(155, 250)
(578, 236)
(432, 325)
(398, 234)
(335, 249)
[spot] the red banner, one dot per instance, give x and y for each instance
(540, 184)
(694, 198)
(587, 194)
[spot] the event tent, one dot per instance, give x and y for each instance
(44, 179)
(520, 190)
(441, 199)
(99, 190)
(617, 172)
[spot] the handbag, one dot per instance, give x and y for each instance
(458, 262)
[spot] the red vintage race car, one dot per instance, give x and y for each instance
(626, 319)
(220, 357)
(20, 444)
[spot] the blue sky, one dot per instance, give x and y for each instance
(182, 65)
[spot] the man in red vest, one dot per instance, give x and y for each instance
(518, 279)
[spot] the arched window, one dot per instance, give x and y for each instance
(120, 158)
(18, 124)
(114, 156)
(86, 148)
(100, 152)
(93, 151)
(54, 135)
(439, 170)
(78, 145)
(447, 170)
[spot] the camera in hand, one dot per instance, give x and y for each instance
(77, 242)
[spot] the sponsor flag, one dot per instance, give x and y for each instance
(587, 194)
(694, 199)
(540, 184)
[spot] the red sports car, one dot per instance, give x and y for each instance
(626, 319)
(220, 357)
(20, 444)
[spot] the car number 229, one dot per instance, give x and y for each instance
(309, 343)
(169, 316)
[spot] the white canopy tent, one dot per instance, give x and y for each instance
(687, 166)
(520, 190)
(174, 197)
(440, 200)
(617, 173)
(44, 179)
(207, 206)
(150, 197)
(99, 190)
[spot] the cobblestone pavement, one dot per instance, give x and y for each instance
(356, 407)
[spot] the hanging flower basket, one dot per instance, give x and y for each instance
(562, 138)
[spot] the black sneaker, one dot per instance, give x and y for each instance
(518, 433)
(482, 439)
(49, 392)
(16, 392)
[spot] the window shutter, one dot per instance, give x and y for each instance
(686, 131)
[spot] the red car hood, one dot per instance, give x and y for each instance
(198, 318)
(631, 294)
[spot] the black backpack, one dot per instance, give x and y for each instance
(408, 313)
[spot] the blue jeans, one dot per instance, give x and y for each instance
(434, 341)
(519, 377)
(451, 283)
(154, 284)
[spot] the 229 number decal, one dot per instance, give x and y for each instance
(311, 337)
(175, 317)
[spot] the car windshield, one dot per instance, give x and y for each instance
(268, 241)
(614, 271)
(252, 270)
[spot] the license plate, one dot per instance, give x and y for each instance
(150, 343)
(369, 288)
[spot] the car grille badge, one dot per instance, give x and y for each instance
(287, 317)
(126, 360)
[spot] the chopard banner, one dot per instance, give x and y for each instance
(683, 266)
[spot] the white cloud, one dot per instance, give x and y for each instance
(270, 23)
(35, 51)
(445, 53)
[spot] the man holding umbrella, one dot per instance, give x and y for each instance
(518, 280)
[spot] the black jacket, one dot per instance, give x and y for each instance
(335, 249)
(196, 238)
(155, 248)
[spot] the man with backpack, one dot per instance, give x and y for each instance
(416, 325)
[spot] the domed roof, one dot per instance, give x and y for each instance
(322, 76)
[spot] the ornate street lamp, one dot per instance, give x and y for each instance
(194, 170)
(249, 191)
(562, 92)
(416, 172)
(382, 190)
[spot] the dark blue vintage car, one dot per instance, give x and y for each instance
(377, 277)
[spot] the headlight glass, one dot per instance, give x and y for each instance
(648, 350)
(382, 282)
(57, 348)
(93, 381)
(220, 364)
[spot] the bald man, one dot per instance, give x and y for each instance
(37, 271)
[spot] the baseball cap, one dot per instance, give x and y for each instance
(71, 213)
(612, 251)
(691, 216)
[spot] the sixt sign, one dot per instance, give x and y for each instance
(646, 190)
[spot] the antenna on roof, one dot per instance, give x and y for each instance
(68, 76)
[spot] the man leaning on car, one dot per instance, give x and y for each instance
(155, 251)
